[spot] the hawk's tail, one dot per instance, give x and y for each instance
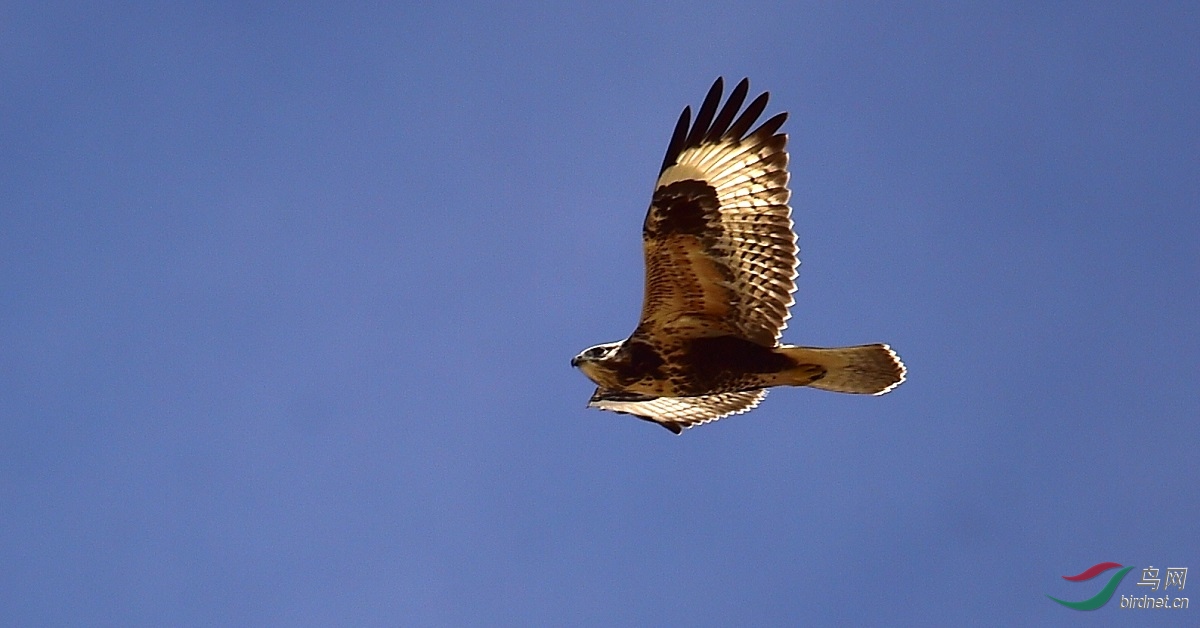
(866, 369)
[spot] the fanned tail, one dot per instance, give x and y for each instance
(865, 370)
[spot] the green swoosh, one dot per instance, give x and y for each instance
(1101, 598)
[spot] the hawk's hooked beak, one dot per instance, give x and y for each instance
(575, 361)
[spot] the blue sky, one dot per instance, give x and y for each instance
(288, 295)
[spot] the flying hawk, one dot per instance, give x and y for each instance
(720, 273)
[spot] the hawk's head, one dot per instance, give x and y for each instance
(592, 361)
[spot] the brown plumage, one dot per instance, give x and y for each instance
(721, 264)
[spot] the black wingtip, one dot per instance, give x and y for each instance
(678, 137)
(704, 116)
(748, 117)
(721, 124)
(771, 127)
(711, 124)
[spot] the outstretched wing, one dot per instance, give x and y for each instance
(677, 413)
(718, 240)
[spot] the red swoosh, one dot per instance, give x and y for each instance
(1092, 572)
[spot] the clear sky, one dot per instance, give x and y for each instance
(288, 295)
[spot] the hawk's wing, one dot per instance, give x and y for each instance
(718, 240)
(677, 413)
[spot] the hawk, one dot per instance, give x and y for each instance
(721, 264)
